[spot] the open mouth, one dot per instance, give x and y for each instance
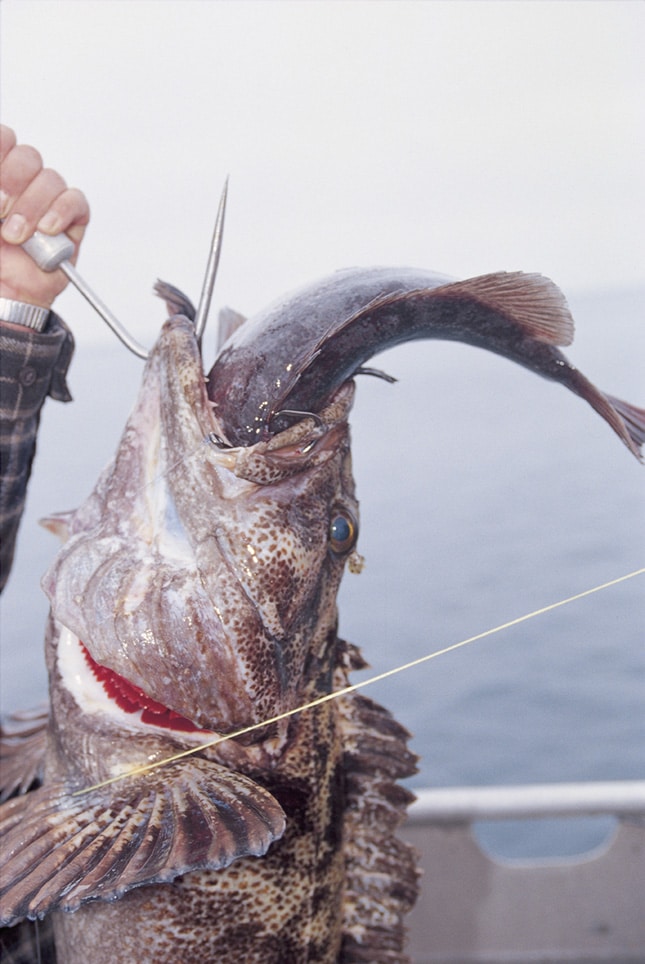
(131, 699)
(99, 689)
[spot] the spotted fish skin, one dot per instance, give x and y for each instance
(201, 576)
(308, 899)
(207, 578)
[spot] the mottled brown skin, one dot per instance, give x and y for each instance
(206, 575)
(210, 581)
(286, 906)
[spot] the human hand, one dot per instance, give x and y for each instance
(33, 197)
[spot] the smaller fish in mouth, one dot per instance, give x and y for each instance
(202, 576)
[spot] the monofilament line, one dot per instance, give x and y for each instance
(136, 771)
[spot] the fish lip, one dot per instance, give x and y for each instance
(72, 658)
(75, 661)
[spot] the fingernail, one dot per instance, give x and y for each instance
(14, 228)
(49, 223)
(5, 201)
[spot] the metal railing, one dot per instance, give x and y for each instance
(475, 908)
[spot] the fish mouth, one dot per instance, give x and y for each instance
(132, 699)
(96, 688)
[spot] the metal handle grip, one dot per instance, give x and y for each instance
(48, 251)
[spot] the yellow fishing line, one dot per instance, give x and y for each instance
(136, 771)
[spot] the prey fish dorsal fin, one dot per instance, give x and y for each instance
(228, 321)
(64, 849)
(177, 303)
(532, 301)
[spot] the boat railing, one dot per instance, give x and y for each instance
(476, 908)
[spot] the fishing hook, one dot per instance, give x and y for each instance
(218, 441)
(296, 414)
(377, 373)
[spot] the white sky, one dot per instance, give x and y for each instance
(462, 137)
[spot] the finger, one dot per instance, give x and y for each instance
(7, 141)
(33, 197)
(29, 207)
(19, 167)
(68, 212)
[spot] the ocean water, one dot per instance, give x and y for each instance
(486, 493)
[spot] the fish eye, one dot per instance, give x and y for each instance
(343, 531)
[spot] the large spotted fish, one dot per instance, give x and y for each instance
(195, 595)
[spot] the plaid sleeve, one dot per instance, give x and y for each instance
(33, 365)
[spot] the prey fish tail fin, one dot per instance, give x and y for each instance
(538, 310)
(633, 419)
(627, 421)
(61, 850)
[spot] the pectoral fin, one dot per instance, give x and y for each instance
(22, 752)
(61, 850)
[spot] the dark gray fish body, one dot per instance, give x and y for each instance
(196, 596)
(297, 352)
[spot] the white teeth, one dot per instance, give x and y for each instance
(89, 694)
(84, 686)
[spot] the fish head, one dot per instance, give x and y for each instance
(203, 577)
(204, 566)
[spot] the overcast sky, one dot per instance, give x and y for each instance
(462, 137)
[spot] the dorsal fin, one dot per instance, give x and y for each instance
(177, 303)
(229, 320)
(534, 302)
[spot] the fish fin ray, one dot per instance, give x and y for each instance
(58, 523)
(634, 420)
(627, 421)
(177, 303)
(63, 850)
(228, 322)
(381, 871)
(22, 752)
(531, 301)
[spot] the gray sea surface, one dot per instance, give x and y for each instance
(486, 493)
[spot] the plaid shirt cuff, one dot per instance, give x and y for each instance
(33, 365)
